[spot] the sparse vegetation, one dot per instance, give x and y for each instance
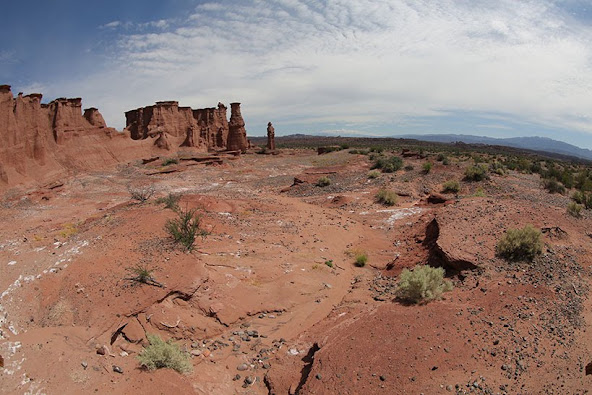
(324, 181)
(409, 167)
(520, 244)
(160, 354)
(476, 173)
(170, 161)
(479, 192)
(170, 201)
(423, 284)
(329, 263)
(185, 228)
(386, 197)
(451, 186)
(361, 259)
(427, 167)
(388, 165)
(553, 186)
(143, 275)
(141, 193)
(373, 174)
(574, 209)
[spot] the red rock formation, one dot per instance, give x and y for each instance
(43, 141)
(205, 128)
(237, 135)
(270, 136)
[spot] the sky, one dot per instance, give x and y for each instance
(503, 68)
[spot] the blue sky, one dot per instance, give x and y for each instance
(375, 67)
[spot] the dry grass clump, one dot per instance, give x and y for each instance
(186, 227)
(386, 197)
(423, 284)
(451, 186)
(160, 354)
(520, 244)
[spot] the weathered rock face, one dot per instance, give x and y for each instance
(270, 136)
(237, 135)
(30, 130)
(205, 128)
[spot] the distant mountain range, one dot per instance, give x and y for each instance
(531, 143)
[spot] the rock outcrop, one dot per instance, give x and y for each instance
(204, 128)
(237, 135)
(270, 136)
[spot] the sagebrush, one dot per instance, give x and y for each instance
(422, 284)
(451, 186)
(520, 244)
(386, 197)
(160, 354)
(141, 193)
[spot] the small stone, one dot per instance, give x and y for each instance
(318, 376)
(84, 364)
(117, 369)
(196, 353)
(237, 377)
(242, 367)
(249, 380)
(102, 350)
(382, 377)
(448, 387)
(266, 365)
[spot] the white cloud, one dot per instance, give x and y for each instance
(111, 25)
(378, 61)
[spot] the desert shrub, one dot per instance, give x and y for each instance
(141, 193)
(170, 161)
(440, 157)
(323, 181)
(553, 186)
(583, 198)
(376, 149)
(423, 284)
(497, 168)
(160, 354)
(445, 161)
(170, 201)
(476, 173)
(373, 174)
(185, 228)
(574, 209)
(520, 244)
(388, 165)
(329, 263)
(451, 186)
(479, 193)
(358, 151)
(427, 167)
(409, 167)
(361, 259)
(386, 197)
(344, 146)
(142, 274)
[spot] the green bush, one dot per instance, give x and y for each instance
(427, 167)
(185, 228)
(373, 174)
(388, 165)
(553, 186)
(323, 182)
(445, 161)
(361, 259)
(520, 244)
(423, 284)
(476, 173)
(451, 186)
(574, 209)
(160, 354)
(170, 201)
(141, 273)
(386, 197)
(440, 157)
(170, 161)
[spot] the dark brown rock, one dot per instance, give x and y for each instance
(270, 136)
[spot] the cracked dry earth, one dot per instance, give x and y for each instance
(258, 307)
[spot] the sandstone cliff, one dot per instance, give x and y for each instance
(41, 142)
(205, 128)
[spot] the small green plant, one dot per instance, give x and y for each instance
(427, 167)
(574, 209)
(476, 173)
(388, 165)
(373, 174)
(329, 263)
(143, 275)
(324, 181)
(445, 161)
(170, 201)
(160, 354)
(440, 157)
(386, 197)
(451, 186)
(378, 150)
(361, 259)
(520, 244)
(141, 193)
(170, 161)
(185, 228)
(423, 284)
